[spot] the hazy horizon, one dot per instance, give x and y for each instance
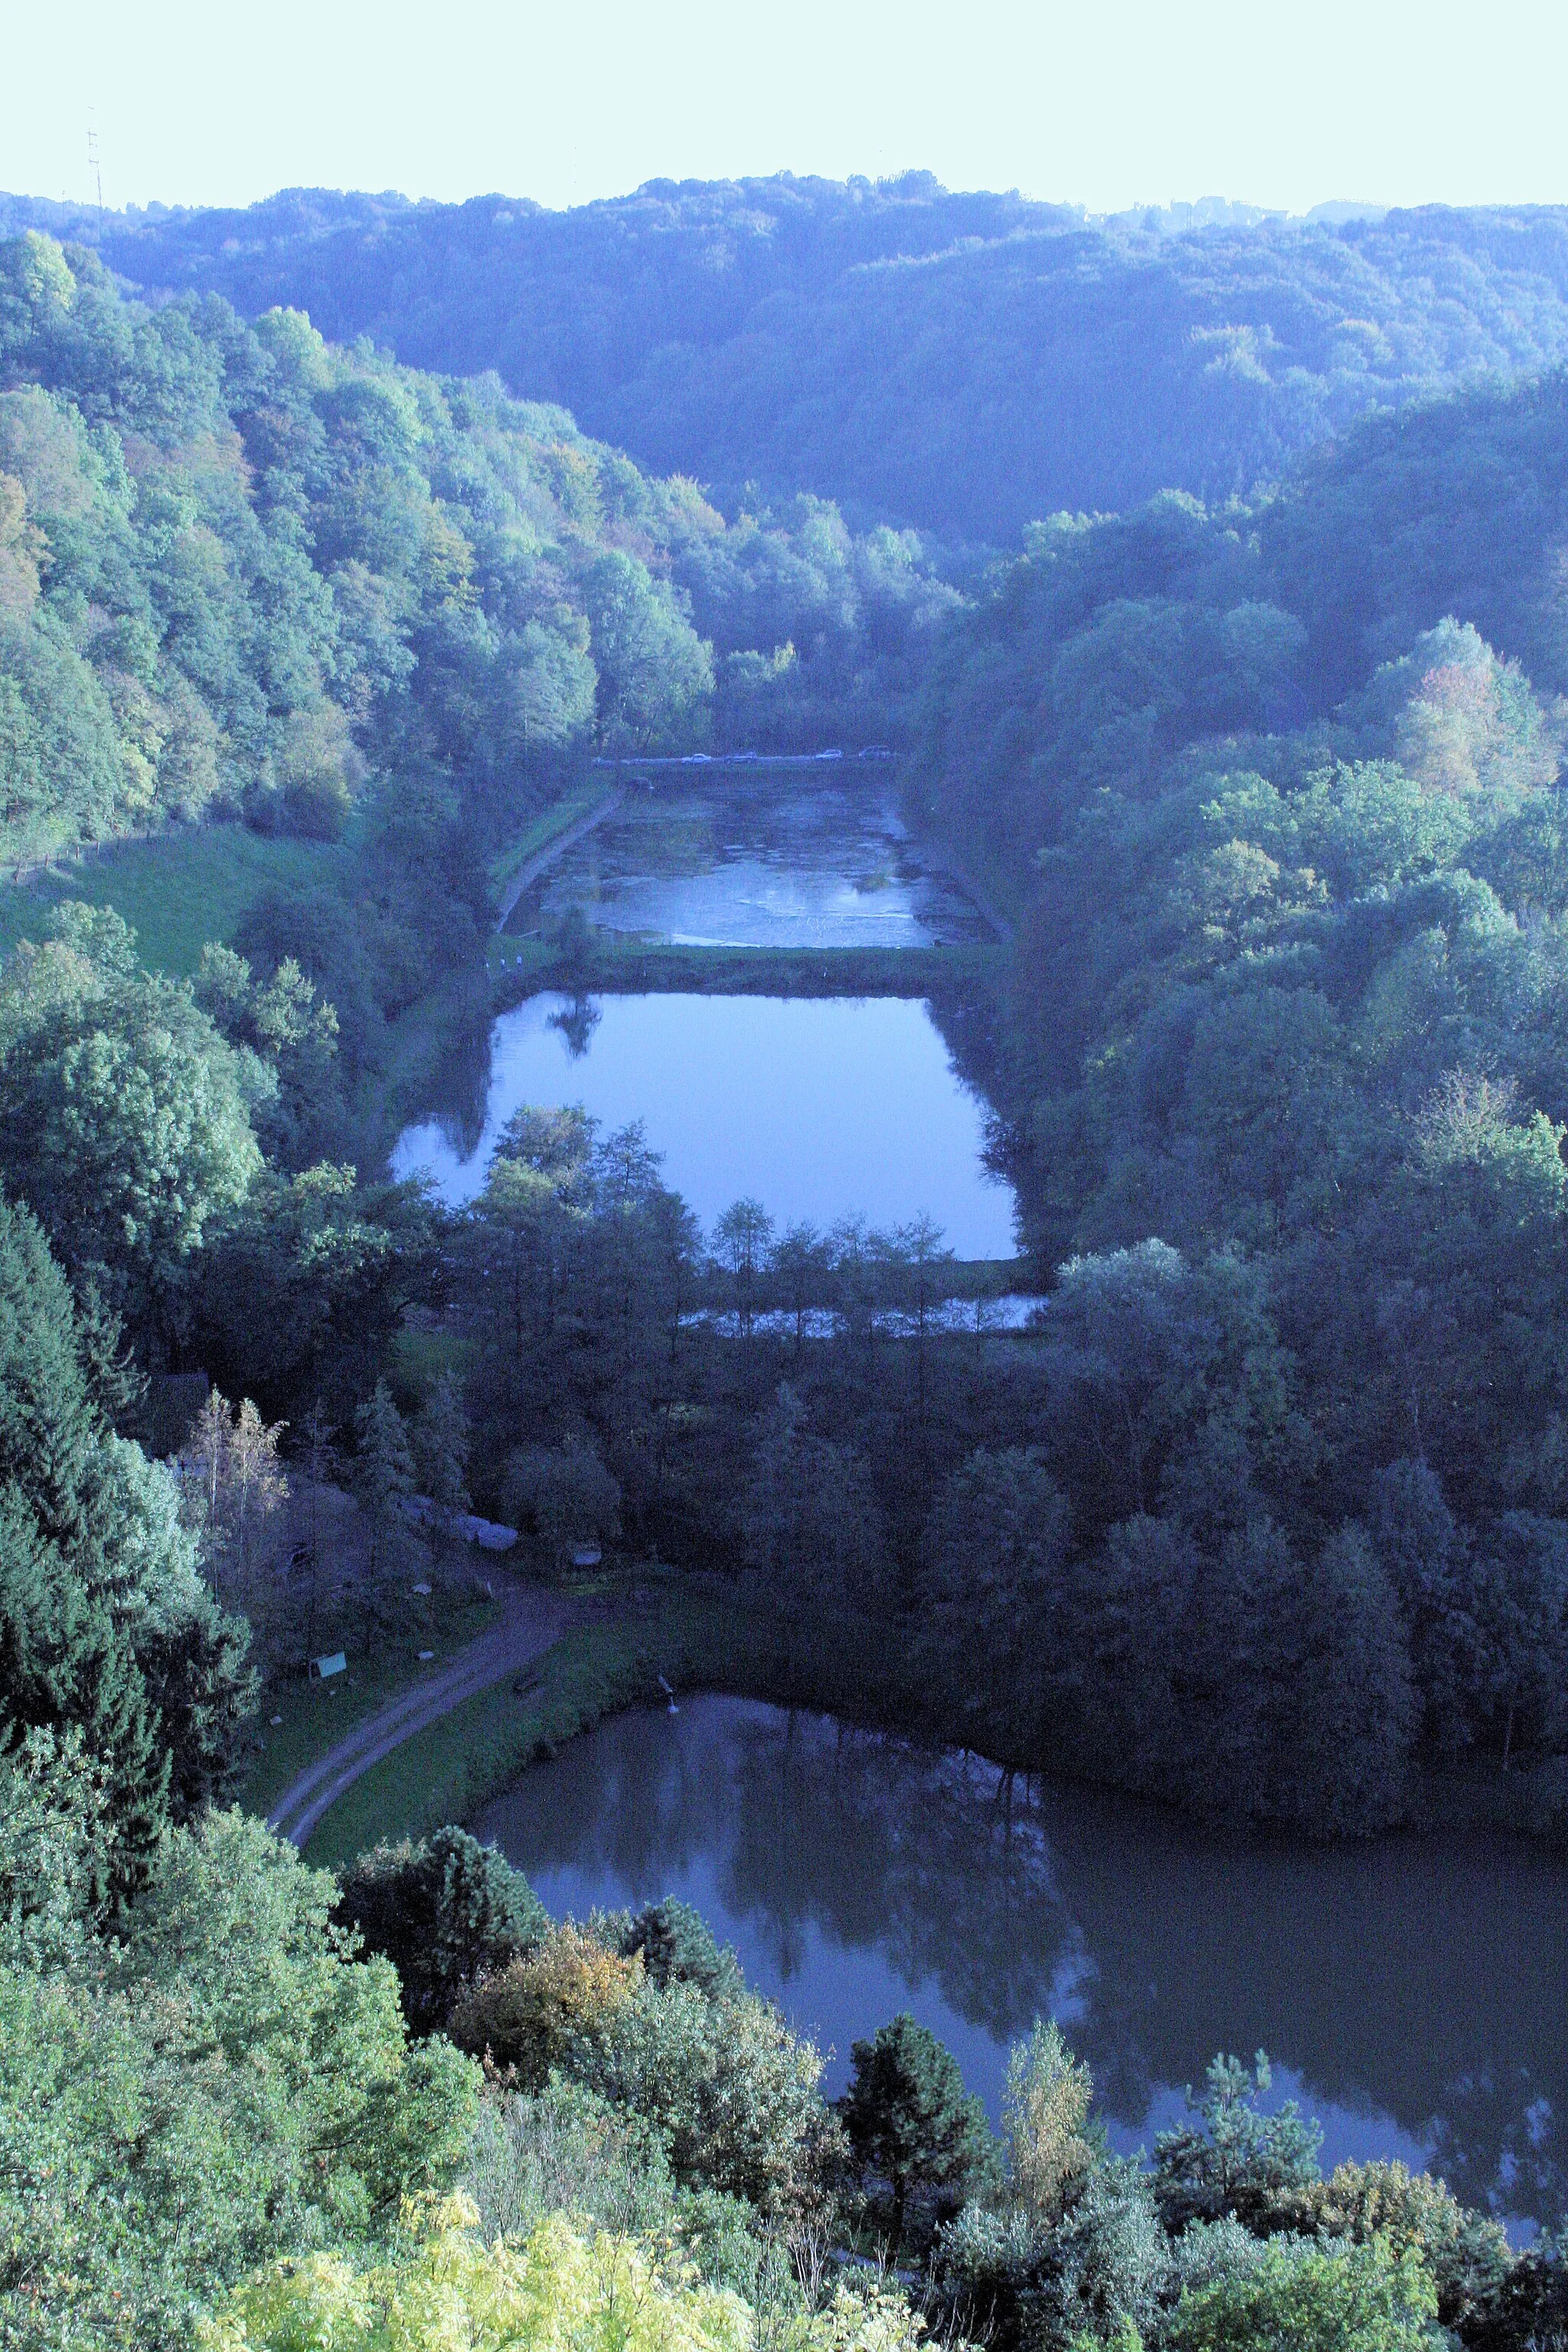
(1211, 202)
(1397, 107)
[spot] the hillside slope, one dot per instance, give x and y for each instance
(244, 572)
(965, 363)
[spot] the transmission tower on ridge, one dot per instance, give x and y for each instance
(94, 164)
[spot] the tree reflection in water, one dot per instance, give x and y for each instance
(1410, 1987)
(576, 1022)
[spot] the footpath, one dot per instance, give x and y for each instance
(542, 859)
(532, 1622)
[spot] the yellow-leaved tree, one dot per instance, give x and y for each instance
(561, 2290)
(558, 2291)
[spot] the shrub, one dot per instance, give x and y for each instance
(547, 2007)
(730, 2090)
(1466, 2252)
(597, 2295)
(1312, 2299)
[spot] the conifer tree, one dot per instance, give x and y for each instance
(441, 1448)
(909, 2116)
(384, 1469)
(105, 1625)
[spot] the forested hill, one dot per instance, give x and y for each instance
(1280, 794)
(966, 363)
(1124, 653)
(244, 572)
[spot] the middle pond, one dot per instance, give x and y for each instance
(820, 1107)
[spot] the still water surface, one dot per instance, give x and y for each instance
(1409, 1990)
(820, 1107)
(745, 862)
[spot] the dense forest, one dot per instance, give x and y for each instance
(243, 575)
(1275, 1062)
(965, 363)
(1285, 1096)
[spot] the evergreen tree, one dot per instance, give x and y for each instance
(444, 1912)
(992, 1555)
(384, 1468)
(105, 1622)
(440, 1441)
(678, 1946)
(1346, 1746)
(47, 1426)
(1234, 2159)
(908, 2117)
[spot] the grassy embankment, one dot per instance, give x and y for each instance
(623, 965)
(423, 1040)
(180, 888)
(177, 890)
(557, 819)
(701, 1635)
(316, 1713)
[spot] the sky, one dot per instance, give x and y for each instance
(1107, 104)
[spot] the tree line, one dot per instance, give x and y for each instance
(962, 363)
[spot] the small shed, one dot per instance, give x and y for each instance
(322, 1669)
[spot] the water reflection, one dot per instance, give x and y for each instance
(746, 863)
(820, 1107)
(1410, 1990)
(575, 1022)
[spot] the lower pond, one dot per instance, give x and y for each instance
(820, 1107)
(1409, 1990)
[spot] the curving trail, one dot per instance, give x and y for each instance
(531, 1621)
(542, 859)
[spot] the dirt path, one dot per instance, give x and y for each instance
(542, 859)
(531, 1622)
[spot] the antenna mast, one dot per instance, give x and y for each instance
(94, 164)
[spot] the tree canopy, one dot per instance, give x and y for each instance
(964, 362)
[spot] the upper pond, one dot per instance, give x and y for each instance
(739, 860)
(1408, 1990)
(820, 1107)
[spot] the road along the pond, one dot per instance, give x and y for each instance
(531, 1621)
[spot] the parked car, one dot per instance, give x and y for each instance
(877, 751)
(834, 754)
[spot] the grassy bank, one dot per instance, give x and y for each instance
(520, 967)
(178, 889)
(700, 1635)
(696, 1632)
(559, 818)
(448, 1772)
